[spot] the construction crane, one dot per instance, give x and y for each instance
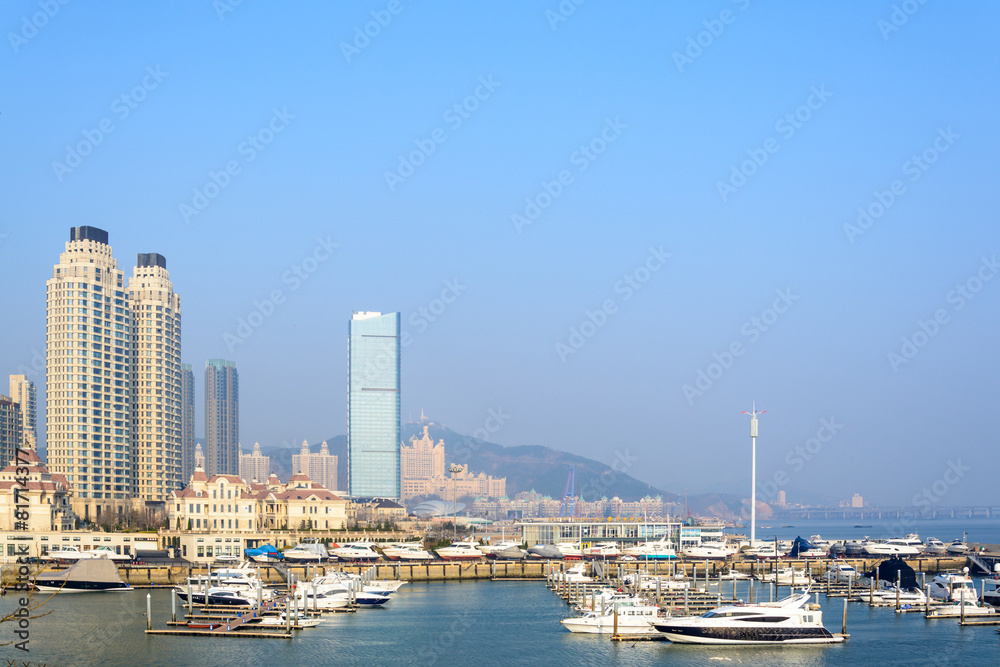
(569, 493)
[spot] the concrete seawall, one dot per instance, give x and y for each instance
(162, 575)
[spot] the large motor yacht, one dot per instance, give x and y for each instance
(949, 586)
(460, 551)
(789, 621)
(355, 552)
(634, 618)
(407, 551)
(661, 550)
(608, 550)
(893, 547)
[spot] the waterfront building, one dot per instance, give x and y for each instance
(88, 367)
(320, 468)
(255, 467)
(187, 422)
(222, 417)
(373, 428)
(46, 495)
(156, 386)
(22, 392)
(228, 503)
(543, 531)
(11, 428)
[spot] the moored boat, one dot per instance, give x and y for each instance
(87, 575)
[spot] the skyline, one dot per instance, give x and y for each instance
(624, 227)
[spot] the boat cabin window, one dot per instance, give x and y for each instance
(765, 619)
(726, 614)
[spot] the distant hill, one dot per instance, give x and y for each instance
(526, 467)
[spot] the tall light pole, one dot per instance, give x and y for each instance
(753, 471)
(454, 470)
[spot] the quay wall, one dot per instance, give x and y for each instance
(165, 575)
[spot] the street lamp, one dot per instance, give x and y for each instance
(753, 471)
(454, 470)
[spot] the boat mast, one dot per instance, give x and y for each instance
(753, 471)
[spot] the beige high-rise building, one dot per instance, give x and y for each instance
(156, 385)
(320, 468)
(88, 355)
(422, 459)
(22, 392)
(187, 423)
(254, 467)
(199, 458)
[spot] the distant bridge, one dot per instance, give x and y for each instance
(882, 513)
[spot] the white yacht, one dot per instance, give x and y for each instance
(331, 598)
(893, 547)
(841, 572)
(787, 576)
(570, 551)
(407, 551)
(603, 550)
(706, 552)
(935, 547)
(307, 551)
(460, 551)
(948, 586)
(734, 574)
(661, 550)
(576, 574)
(789, 621)
(634, 618)
(66, 553)
(766, 549)
(969, 608)
(991, 591)
(355, 552)
(957, 548)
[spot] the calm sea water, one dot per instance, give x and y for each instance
(479, 623)
(982, 530)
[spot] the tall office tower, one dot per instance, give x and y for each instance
(22, 392)
(187, 423)
(11, 430)
(373, 405)
(320, 468)
(88, 369)
(254, 466)
(156, 383)
(222, 417)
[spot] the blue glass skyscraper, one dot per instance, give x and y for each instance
(373, 437)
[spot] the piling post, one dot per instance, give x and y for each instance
(615, 629)
(658, 583)
(173, 608)
(315, 600)
(927, 601)
(898, 582)
(843, 625)
(686, 612)
(149, 613)
(260, 595)
(961, 595)
(190, 599)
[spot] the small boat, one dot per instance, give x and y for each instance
(634, 618)
(608, 550)
(969, 608)
(308, 550)
(409, 551)
(87, 575)
(854, 549)
(706, 552)
(512, 552)
(227, 559)
(789, 621)
(957, 548)
(935, 547)
(570, 550)
(787, 576)
(661, 550)
(463, 550)
(264, 554)
(576, 574)
(355, 552)
(991, 591)
(545, 552)
(803, 548)
(893, 547)
(66, 553)
(841, 572)
(201, 625)
(734, 574)
(298, 620)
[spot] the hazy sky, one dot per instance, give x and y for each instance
(578, 210)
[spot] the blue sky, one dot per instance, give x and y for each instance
(738, 138)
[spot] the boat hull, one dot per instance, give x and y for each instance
(81, 587)
(748, 635)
